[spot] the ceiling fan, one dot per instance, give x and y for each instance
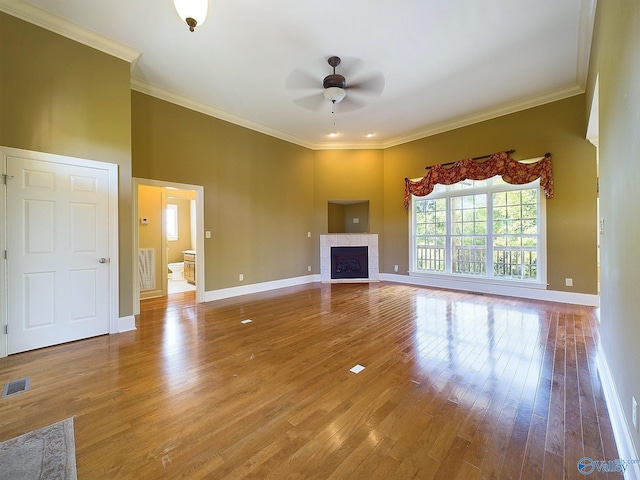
(335, 88)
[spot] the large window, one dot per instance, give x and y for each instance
(484, 230)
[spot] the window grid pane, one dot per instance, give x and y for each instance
(511, 263)
(431, 232)
(468, 234)
(515, 229)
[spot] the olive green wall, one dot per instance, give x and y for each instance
(258, 190)
(558, 128)
(616, 57)
(58, 96)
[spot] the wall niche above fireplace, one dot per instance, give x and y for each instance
(348, 216)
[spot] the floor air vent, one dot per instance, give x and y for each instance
(15, 387)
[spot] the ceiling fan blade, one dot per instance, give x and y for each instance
(313, 102)
(352, 67)
(301, 80)
(373, 85)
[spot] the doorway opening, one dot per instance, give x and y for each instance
(168, 239)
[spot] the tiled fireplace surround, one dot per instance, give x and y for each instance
(349, 240)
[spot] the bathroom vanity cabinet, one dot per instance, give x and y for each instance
(190, 267)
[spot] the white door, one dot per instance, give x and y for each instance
(57, 253)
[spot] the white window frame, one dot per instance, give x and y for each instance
(442, 191)
(172, 231)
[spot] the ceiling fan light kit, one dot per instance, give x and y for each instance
(193, 12)
(334, 94)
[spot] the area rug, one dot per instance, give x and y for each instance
(46, 453)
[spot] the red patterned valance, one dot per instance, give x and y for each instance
(501, 163)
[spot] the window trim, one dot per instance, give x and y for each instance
(450, 277)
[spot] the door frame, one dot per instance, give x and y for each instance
(114, 271)
(199, 189)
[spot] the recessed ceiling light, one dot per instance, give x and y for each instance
(369, 135)
(333, 134)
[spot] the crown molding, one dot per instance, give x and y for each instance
(42, 18)
(585, 38)
(187, 102)
(195, 105)
(349, 146)
(499, 111)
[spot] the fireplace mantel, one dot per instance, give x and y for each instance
(349, 240)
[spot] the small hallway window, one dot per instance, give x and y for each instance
(172, 222)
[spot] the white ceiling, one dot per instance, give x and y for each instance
(445, 63)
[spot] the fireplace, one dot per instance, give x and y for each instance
(369, 241)
(349, 262)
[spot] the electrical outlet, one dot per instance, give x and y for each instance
(207, 234)
(395, 268)
(568, 282)
(241, 277)
(308, 234)
(634, 412)
(309, 268)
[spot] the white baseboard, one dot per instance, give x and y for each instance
(624, 440)
(520, 292)
(146, 294)
(126, 324)
(213, 295)
(509, 291)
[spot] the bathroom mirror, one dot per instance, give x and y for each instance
(348, 216)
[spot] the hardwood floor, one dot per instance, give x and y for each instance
(455, 385)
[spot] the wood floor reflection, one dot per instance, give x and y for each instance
(455, 385)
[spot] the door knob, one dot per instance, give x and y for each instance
(103, 260)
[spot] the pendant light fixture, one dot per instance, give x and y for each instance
(193, 12)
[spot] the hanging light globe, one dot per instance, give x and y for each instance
(193, 12)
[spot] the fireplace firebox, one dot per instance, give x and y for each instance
(349, 262)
